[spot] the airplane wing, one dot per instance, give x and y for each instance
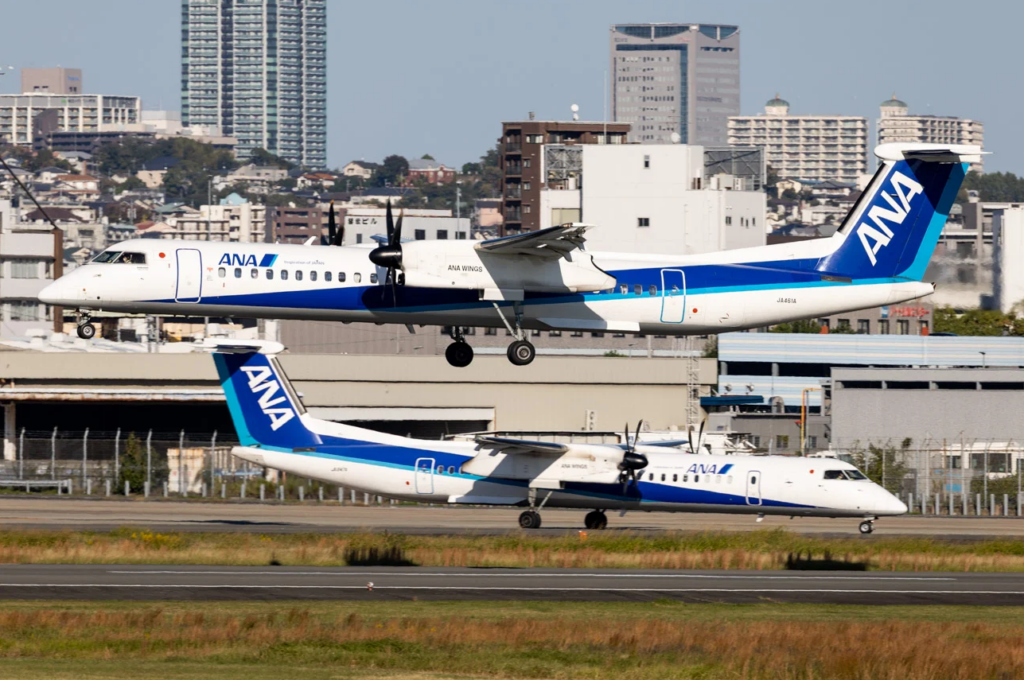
(553, 242)
(524, 445)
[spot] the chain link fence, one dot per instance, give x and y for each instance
(152, 464)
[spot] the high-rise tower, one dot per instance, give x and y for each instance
(257, 69)
(675, 78)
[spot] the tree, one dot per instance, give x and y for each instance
(472, 168)
(995, 186)
(710, 348)
(426, 157)
(262, 157)
(990, 322)
(884, 465)
(130, 184)
(801, 326)
(392, 171)
(133, 466)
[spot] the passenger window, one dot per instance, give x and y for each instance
(327, 277)
(270, 274)
(255, 273)
(718, 479)
(652, 290)
(451, 469)
(341, 277)
(834, 474)
(440, 469)
(222, 272)
(696, 478)
(675, 478)
(312, 275)
(373, 278)
(686, 478)
(663, 477)
(728, 480)
(284, 274)
(238, 272)
(357, 277)
(623, 289)
(298, 274)
(638, 289)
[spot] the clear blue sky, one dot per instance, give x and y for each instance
(414, 77)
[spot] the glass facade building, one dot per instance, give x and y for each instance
(257, 69)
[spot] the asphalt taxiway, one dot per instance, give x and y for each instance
(106, 582)
(100, 514)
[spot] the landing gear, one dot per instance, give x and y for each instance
(86, 330)
(521, 352)
(595, 520)
(867, 526)
(530, 519)
(459, 353)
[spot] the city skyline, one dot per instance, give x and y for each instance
(440, 79)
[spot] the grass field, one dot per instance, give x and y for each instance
(508, 640)
(767, 549)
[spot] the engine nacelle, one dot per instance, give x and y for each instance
(447, 264)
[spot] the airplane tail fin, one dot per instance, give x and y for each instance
(894, 227)
(264, 406)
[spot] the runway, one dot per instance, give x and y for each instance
(100, 514)
(106, 582)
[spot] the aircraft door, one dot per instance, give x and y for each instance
(189, 286)
(753, 487)
(673, 296)
(424, 475)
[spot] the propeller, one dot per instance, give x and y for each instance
(631, 460)
(390, 255)
(700, 437)
(335, 235)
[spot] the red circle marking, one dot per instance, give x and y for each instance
(694, 310)
(163, 255)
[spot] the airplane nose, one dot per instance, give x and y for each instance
(51, 294)
(888, 504)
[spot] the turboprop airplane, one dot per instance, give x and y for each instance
(275, 431)
(545, 279)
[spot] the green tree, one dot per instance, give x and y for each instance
(130, 184)
(801, 326)
(262, 157)
(133, 466)
(990, 322)
(426, 157)
(710, 348)
(884, 465)
(392, 171)
(995, 186)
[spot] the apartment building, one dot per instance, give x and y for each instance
(896, 124)
(80, 113)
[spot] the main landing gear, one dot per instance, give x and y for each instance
(595, 520)
(530, 519)
(867, 526)
(521, 352)
(86, 330)
(459, 353)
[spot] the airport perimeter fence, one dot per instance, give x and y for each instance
(151, 464)
(967, 477)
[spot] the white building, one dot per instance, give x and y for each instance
(75, 113)
(28, 263)
(896, 125)
(650, 198)
(805, 147)
(361, 224)
(233, 219)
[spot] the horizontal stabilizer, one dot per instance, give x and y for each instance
(935, 153)
(231, 346)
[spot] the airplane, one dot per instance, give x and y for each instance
(275, 431)
(546, 280)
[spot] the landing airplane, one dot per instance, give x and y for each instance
(545, 280)
(275, 431)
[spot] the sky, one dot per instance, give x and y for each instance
(414, 77)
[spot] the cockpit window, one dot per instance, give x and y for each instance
(107, 256)
(834, 474)
(118, 257)
(856, 475)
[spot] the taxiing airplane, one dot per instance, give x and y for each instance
(275, 431)
(545, 280)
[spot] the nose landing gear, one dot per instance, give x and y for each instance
(86, 330)
(867, 526)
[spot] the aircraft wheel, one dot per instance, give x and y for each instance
(595, 520)
(459, 354)
(87, 331)
(866, 527)
(530, 520)
(521, 352)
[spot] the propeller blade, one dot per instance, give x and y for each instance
(625, 437)
(332, 226)
(390, 222)
(700, 435)
(398, 229)
(636, 439)
(689, 436)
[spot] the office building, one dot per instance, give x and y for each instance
(295, 225)
(30, 259)
(808, 147)
(521, 147)
(895, 124)
(675, 79)
(656, 198)
(361, 224)
(22, 114)
(51, 81)
(257, 71)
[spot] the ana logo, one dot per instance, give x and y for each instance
(261, 380)
(904, 189)
(709, 469)
(236, 260)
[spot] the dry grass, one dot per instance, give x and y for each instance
(567, 641)
(768, 549)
